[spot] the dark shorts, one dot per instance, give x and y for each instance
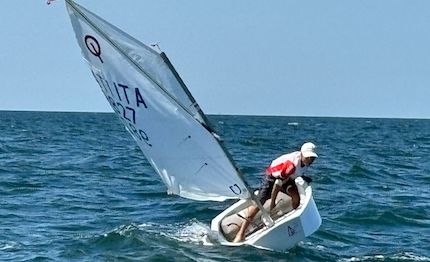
(265, 191)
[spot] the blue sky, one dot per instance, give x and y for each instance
(295, 58)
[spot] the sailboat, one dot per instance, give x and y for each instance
(157, 109)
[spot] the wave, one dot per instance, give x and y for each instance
(194, 232)
(9, 246)
(404, 257)
(377, 216)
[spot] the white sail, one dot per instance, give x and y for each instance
(156, 108)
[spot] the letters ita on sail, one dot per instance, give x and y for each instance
(157, 109)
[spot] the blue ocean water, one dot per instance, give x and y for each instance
(75, 187)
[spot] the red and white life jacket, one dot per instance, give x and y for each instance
(288, 165)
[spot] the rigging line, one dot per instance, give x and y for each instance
(252, 222)
(129, 59)
(184, 87)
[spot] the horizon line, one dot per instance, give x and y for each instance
(222, 114)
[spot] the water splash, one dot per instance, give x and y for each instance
(194, 232)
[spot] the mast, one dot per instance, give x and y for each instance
(268, 220)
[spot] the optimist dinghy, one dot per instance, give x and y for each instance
(290, 226)
(159, 112)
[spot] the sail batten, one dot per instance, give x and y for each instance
(157, 109)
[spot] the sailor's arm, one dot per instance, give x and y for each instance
(276, 188)
(287, 169)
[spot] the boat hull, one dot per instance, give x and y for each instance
(287, 231)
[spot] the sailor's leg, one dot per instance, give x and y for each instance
(294, 194)
(240, 236)
(263, 195)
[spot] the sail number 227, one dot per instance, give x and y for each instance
(119, 96)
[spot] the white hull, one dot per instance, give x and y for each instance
(287, 231)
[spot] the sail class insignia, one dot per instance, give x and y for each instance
(93, 46)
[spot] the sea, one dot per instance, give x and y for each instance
(75, 187)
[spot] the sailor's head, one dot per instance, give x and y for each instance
(308, 153)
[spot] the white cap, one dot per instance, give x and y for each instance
(308, 150)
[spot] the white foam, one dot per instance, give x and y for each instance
(364, 258)
(8, 245)
(125, 230)
(312, 246)
(194, 232)
(122, 230)
(406, 256)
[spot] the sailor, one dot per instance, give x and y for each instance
(280, 176)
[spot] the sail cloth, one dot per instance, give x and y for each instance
(157, 109)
